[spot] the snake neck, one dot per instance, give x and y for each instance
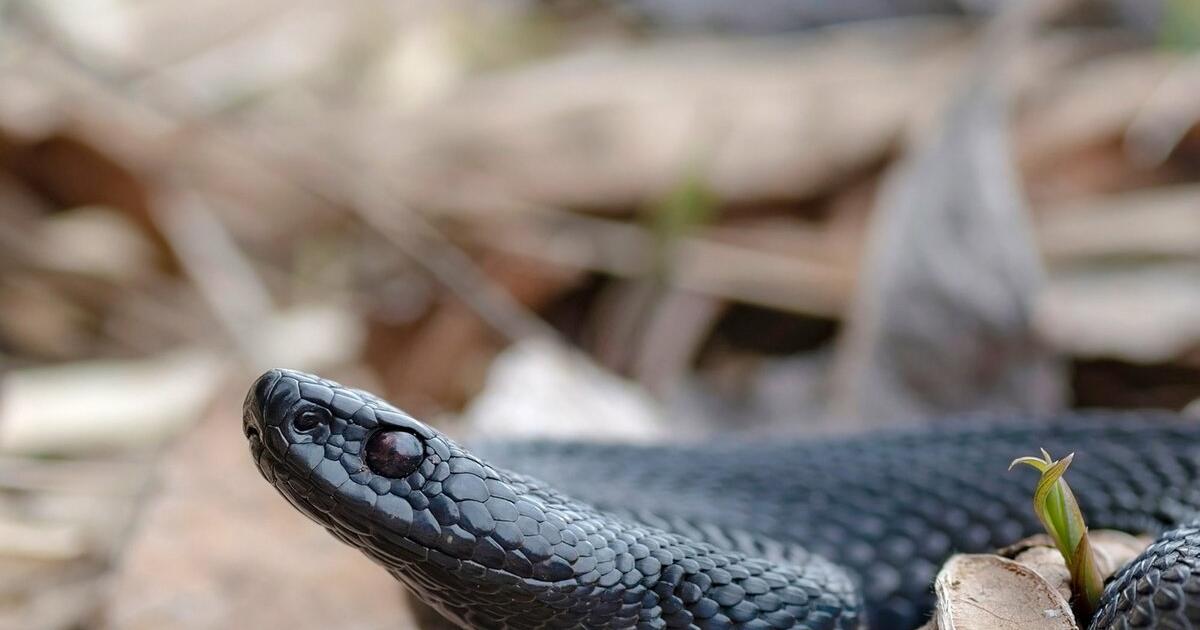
(552, 562)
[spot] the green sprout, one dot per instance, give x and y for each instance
(1059, 513)
(689, 205)
(1181, 25)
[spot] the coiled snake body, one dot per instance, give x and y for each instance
(842, 533)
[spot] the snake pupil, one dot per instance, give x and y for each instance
(394, 454)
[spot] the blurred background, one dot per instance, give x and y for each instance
(625, 220)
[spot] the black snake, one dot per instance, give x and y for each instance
(839, 533)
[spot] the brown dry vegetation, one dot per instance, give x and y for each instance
(831, 229)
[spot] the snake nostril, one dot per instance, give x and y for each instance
(310, 419)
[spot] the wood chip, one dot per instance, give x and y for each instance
(1025, 585)
(987, 592)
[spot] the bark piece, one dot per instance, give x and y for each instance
(943, 322)
(1025, 585)
(983, 591)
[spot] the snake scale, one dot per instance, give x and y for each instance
(835, 533)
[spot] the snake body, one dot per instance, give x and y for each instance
(837, 533)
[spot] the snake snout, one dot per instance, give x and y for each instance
(285, 409)
(252, 407)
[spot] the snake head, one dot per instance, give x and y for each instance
(337, 451)
(368, 471)
(438, 518)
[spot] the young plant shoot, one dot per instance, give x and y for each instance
(1056, 508)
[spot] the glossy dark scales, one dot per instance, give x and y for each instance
(719, 534)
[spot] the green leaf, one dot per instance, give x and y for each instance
(1058, 510)
(1086, 582)
(1180, 28)
(1049, 494)
(1040, 465)
(690, 204)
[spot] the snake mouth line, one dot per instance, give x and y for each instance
(307, 499)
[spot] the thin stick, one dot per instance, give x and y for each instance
(425, 245)
(214, 263)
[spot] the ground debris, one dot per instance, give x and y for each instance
(1023, 587)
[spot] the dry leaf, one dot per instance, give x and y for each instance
(539, 388)
(943, 320)
(104, 405)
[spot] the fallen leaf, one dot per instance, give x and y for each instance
(539, 388)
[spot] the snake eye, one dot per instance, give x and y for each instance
(310, 419)
(394, 454)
